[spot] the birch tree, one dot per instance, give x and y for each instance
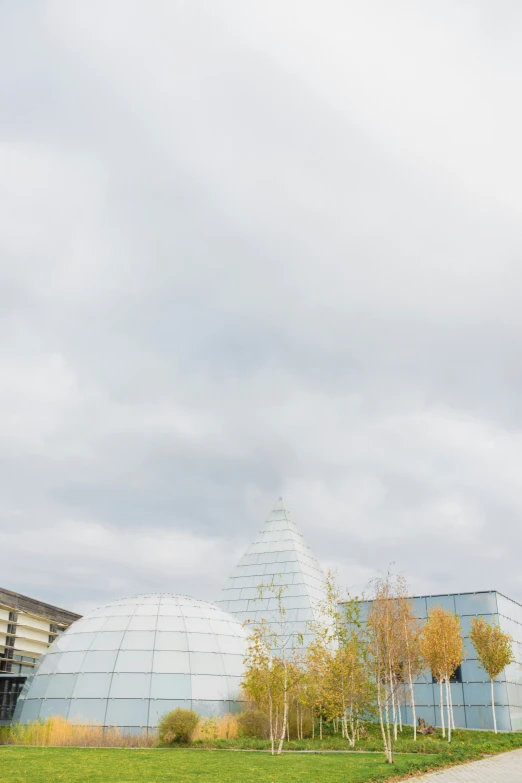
(494, 652)
(339, 652)
(443, 650)
(262, 682)
(286, 647)
(349, 689)
(384, 645)
(318, 660)
(410, 654)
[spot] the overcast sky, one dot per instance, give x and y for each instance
(252, 249)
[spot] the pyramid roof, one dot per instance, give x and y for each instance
(279, 554)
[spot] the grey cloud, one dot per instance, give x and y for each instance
(253, 250)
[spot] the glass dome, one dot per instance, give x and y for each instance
(128, 663)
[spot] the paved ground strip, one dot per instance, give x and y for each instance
(505, 768)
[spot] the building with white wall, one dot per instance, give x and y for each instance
(27, 629)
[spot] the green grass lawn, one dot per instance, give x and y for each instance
(465, 744)
(210, 765)
(107, 765)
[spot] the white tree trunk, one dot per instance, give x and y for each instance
(451, 706)
(448, 700)
(351, 739)
(394, 711)
(285, 713)
(441, 709)
(387, 749)
(412, 691)
(412, 696)
(271, 708)
(390, 746)
(493, 707)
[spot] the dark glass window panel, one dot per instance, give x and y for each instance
(10, 690)
(456, 676)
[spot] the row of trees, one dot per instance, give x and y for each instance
(354, 670)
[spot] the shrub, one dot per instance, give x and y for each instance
(253, 723)
(178, 727)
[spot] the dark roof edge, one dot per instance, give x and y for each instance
(39, 608)
(445, 595)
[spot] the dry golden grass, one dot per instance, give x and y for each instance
(225, 727)
(59, 732)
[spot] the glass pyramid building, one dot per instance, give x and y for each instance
(278, 555)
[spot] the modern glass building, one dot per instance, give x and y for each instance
(279, 552)
(27, 629)
(280, 555)
(130, 662)
(471, 691)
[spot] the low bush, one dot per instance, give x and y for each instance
(178, 727)
(253, 723)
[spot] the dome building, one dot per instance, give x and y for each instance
(128, 663)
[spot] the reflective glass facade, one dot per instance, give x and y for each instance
(472, 695)
(128, 663)
(279, 553)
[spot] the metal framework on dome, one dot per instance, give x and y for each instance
(128, 663)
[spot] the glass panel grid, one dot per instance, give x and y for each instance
(115, 671)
